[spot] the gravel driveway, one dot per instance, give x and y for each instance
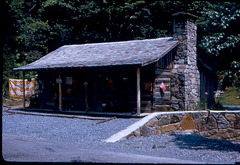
(81, 133)
(63, 129)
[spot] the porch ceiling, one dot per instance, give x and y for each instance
(136, 52)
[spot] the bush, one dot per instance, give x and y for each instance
(232, 76)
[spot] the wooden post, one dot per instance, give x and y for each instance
(115, 86)
(23, 74)
(95, 91)
(138, 92)
(86, 97)
(60, 93)
(86, 93)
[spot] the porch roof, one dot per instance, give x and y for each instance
(136, 52)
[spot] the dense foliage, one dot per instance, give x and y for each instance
(219, 45)
(36, 27)
(221, 30)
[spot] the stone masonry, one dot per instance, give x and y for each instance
(185, 77)
(210, 124)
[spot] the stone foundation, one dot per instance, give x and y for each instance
(210, 124)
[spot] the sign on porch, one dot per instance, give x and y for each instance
(16, 87)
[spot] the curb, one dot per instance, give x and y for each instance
(104, 115)
(56, 115)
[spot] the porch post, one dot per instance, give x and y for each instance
(60, 93)
(138, 92)
(95, 91)
(86, 94)
(23, 74)
(86, 97)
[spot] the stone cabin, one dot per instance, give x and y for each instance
(125, 76)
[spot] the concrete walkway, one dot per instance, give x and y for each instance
(231, 107)
(118, 136)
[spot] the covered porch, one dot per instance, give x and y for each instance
(116, 89)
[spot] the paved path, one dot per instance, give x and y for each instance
(231, 107)
(125, 132)
(17, 148)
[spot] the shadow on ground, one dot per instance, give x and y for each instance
(198, 142)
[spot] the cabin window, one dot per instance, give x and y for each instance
(68, 80)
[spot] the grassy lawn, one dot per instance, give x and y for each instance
(230, 96)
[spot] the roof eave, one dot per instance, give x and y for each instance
(61, 67)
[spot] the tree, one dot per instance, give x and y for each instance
(219, 44)
(221, 27)
(36, 27)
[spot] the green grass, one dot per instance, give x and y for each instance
(230, 96)
(156, 147)
(137, 147)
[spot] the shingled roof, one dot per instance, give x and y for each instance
(136, 52)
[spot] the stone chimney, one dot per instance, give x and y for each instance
(185, 81)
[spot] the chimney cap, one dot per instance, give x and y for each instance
(181, 13)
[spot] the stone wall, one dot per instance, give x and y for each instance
(211, 124)
(185, 79)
